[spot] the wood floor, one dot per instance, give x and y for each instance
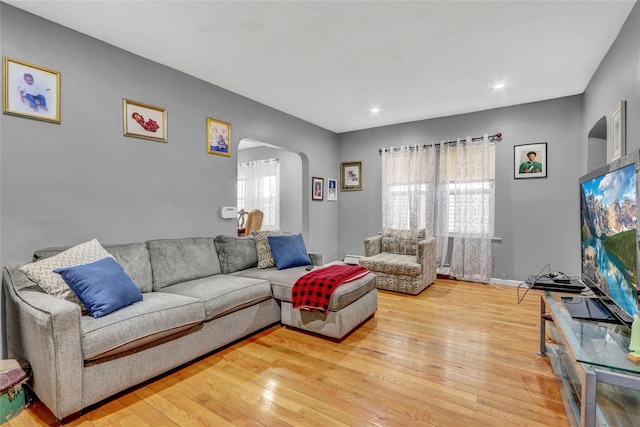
(459, 354)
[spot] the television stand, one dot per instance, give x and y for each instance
(599, 385)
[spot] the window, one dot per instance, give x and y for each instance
(406, 204)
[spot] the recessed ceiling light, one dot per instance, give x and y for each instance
(374, 110)
(498, 86)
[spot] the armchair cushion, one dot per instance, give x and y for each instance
(403, 242)
(403, 265)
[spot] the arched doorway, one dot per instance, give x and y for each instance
(292, 167)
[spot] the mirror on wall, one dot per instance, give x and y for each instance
(291, 179)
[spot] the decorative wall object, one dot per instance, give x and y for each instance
(144, 121)
(617, 138)
(218, 137)
(351, 176)
(31, 91)
(530, 161)
(332, 189)
(317, 188)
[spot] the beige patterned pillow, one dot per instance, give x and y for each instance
(42, 273)
(265, 257)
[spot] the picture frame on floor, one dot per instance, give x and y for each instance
(332, 189)
(530, 161)
(218, 137)
(140, 120)
(31, 91)
(617, 137)
(317, 188)
(351, 176)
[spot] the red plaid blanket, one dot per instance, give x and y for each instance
(313, 291)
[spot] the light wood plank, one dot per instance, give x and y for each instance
(457, 354)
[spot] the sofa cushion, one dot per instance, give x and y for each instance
(282, 282)
(236, 253)
(179, 260)
(289, 251)
(133, 257)
(404, 242)
(102, 286)
(265, 257)
(405, 265)
(222, 294)
(42, 273)
(157, 316)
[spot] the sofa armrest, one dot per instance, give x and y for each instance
(45, 331)
(373, 245)
(427, 259)
(316, 259)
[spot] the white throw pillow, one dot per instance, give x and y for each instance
(42, 273)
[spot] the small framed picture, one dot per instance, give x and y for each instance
(617, 138)
(332, 189)
(218, 137)
(351, 176)
(317, 188)
(144, 121)
(530, 161)
(31, 91)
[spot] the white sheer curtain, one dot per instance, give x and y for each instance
(472, 192)
(415, 191)
(259, 188)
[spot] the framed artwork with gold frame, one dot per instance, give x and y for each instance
(144, 121)
(218, 137)
(31, 91)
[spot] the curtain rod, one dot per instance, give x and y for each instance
(492, 138)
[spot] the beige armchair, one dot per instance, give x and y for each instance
(403, 260)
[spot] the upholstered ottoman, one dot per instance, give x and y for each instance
(351, 304)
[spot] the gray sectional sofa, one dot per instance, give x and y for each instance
(199, 294)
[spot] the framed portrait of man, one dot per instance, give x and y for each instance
(530, 161)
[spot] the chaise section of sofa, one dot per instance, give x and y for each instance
(351, 304)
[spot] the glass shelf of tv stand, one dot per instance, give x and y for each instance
(602, 385)
(595, 343)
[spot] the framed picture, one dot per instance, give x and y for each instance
(144, 121)
(317, 188)
(617, 138)
(351, 176)
(31, 91)
(332, 189)
(218, 137)
(530, 161)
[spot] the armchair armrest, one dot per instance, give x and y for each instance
(427, 259)
(373, 245)
(45, 331)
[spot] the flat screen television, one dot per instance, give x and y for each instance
(608, 230)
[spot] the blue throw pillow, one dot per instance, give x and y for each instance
(103, 286)
(289, 251)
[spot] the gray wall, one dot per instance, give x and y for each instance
(616, 79)
(290, 184)
(65, 184)
(537, 219)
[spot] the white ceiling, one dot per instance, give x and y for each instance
(328, 62)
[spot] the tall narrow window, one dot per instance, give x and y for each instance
(259, 188)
